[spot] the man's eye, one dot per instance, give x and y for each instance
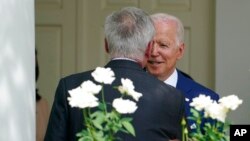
(163, 46)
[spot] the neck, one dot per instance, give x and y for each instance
(140, 62)
(165, 77)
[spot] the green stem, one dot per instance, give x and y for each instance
(199, 124)
(86, 113)
(103, 100)
(184, 130)
(85, 116)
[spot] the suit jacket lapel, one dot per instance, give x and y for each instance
(183, 85)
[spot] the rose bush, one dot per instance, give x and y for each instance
(101, 124)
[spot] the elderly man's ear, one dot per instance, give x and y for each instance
(181, 50)
(149, 49)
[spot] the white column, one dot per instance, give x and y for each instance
(233, 54)
(17, 70)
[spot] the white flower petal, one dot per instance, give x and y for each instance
(103, 75)
(128, 88)
(216, 111)
(200, 102)
(90, 87)
(231, 102)
(81, 99)
(124, 106)
(135, 95)
(127, 84)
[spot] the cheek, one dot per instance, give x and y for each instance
(167, 55)
(173, 54)
(170, 58)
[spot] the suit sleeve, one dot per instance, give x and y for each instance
(175, 113)
(181, 114)
(57, 126)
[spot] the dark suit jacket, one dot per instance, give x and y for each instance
(157, 118)
(192, 89)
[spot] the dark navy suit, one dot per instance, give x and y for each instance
(192, 89)
(157, 118)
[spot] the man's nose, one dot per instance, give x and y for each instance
(154, 51)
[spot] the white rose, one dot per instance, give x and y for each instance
(128, 88)
(231, 102)
(216, 111)
(103, 75)
(90, 87)
(81, 99)
(135, 95)
(124, 106)
(200, 102)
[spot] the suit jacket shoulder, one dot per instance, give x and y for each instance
(193, 89)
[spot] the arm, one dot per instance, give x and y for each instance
(57, 126)
(177, 110)
(181, 115)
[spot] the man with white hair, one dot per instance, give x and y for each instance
(168, 48)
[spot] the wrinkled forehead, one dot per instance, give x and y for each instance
(168, 28)
(166, 32)
(165, 22)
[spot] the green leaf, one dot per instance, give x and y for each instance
(129, 127)
(128, 119)
(86, 139)
(102, 106)
(114, 115)
(195, 113)
(192, 118)
(208, 125)
(96, 114)
(98, 120)
(83, 133)
(98, 125)
(99, 136)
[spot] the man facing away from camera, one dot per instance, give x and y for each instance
(168, 48)
(128, 35)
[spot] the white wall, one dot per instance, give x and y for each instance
(233, 54)
(17, 70)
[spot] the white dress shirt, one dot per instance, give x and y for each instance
(172, 79)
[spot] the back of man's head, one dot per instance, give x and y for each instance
(128, 33)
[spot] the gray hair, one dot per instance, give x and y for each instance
(128, 33)
(163, 17)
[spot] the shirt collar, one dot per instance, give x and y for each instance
(172, 79)
(120, 58)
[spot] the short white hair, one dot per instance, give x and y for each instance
(167, 17)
